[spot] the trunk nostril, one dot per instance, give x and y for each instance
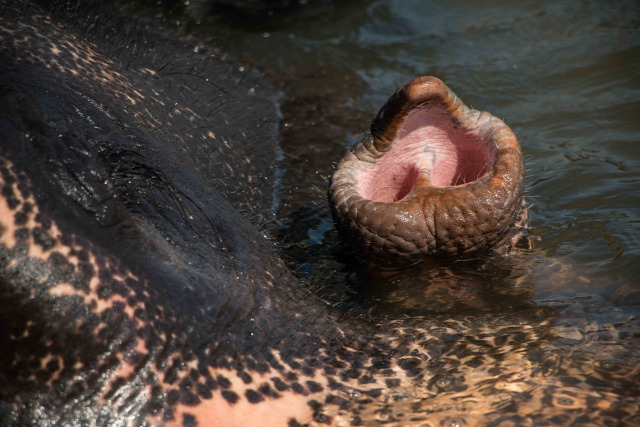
(392, 188)
(436, 178)
(432, 143)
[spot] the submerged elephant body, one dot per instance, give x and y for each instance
(134, 286)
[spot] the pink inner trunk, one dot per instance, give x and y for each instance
(432, 144)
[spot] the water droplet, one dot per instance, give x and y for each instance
(564, 400)
(354, 394)
(443, 382)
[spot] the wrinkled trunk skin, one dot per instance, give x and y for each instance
(434, 178)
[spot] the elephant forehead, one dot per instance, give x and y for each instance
(132, 287)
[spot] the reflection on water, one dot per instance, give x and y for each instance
(565, 75)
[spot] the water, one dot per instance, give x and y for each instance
(565, 75)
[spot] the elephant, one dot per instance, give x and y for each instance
(435, 177)
(137, 286)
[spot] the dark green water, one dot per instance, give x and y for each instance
(565, 75)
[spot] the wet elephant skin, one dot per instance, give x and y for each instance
(135, 288)
(132, 289)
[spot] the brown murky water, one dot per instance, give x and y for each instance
(565, 75)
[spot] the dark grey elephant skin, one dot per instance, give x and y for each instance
(131, 286)
(135, 289)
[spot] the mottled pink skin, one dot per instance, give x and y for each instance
(435, 178)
